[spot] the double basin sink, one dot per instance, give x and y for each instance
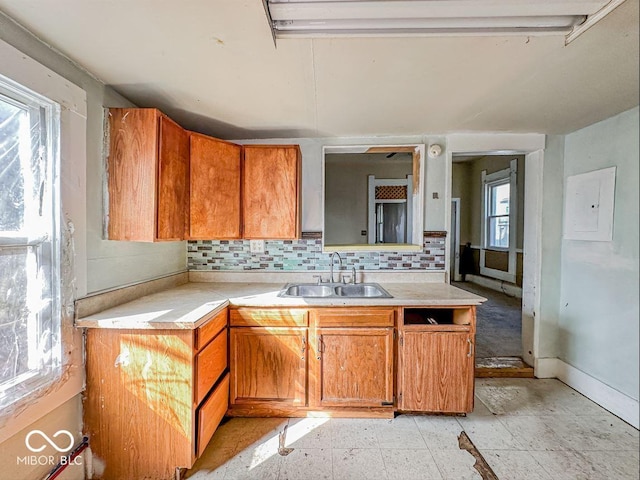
(335, 290)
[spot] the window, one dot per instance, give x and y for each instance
(30, 332)
(497, 223)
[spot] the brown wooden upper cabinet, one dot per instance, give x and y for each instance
(271, 198)
(215, 189)
(148, 170)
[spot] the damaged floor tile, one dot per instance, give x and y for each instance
(521, 429)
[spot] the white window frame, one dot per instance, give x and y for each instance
(488, 187)
(72, 99)
(40, 237)
(489, 180)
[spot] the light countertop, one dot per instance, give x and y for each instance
(187, 306)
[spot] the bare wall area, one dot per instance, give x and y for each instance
(598, 315)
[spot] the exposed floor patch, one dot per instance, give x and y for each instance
(282, 438)
(510, 367)
(481, 464)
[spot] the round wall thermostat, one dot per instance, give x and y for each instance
(435, 151)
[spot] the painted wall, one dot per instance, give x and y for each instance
(551, 247)
(346, 191)
(461, 188)
(109, 263)
(435, 174)
(105, 264)
(598, 312)
(13, 451)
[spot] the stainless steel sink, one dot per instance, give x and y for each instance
(335, 290)
(307, 290)
(361, 290)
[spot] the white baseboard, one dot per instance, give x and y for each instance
(497, 285)
(609, 398)
(546, 368)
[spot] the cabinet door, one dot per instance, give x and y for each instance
(132, 171)
(436, 371)
(353, 367)
(215, 188)
(173, 181)
(271, 192)
(268, 365)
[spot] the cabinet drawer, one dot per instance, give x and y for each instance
(210, 414)
(210, 329)
(355, 317)
(210, 363)
(251, 317)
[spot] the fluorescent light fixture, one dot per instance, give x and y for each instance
(320, 18)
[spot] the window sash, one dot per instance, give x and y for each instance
(33, 299)
(491, 223)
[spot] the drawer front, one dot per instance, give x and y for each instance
(355, 317)
(210, 363)
(258, 317)
(210, 329)
(210, 414)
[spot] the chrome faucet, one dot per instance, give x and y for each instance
(331, 279)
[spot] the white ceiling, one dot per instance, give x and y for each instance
(213, 67)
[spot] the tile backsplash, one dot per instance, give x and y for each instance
(306, 254)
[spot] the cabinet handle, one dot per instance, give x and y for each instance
(304, 346)
(319, 346)
(470, 352)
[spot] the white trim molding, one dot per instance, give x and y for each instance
(454, 243)
(546, 368)
(497, 285)
(613, 400)
(73, 119)
(509, 174)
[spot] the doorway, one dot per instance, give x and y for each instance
(486, 245)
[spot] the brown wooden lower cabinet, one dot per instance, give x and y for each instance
(437, 372)
(342, 361)
(436, 360)
(154, 397)
(269, 366)
(353, 367)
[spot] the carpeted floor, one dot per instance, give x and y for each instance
(499, 322)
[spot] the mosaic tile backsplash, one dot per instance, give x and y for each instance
(306, 254)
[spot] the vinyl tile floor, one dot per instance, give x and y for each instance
(523, 428)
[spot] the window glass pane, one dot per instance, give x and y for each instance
(499, 232)
(500, 199)
(14, 314)
(12, 120)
